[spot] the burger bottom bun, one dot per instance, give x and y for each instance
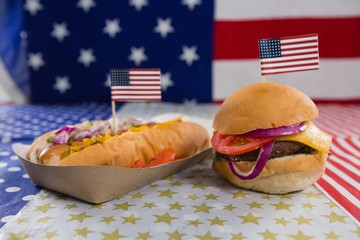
(280, 175)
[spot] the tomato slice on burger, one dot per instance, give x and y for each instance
(237, 144)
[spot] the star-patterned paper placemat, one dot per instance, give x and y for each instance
(196, 203)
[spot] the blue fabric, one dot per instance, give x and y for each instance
(192, 28)
(12, 49)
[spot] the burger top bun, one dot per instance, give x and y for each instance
(263, 105)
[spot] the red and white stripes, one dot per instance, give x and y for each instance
(341, 181)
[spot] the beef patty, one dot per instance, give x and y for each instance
(280, 149)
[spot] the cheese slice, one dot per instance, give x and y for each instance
(312, 136)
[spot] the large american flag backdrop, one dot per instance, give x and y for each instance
(205, 49)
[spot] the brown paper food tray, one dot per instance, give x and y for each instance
(97, 184)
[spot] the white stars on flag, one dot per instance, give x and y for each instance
(112, 27)
(86, 57)
(189, 55)
(126, 34)
(36, 61)
(166, 81)
(107, 82)
(33, 6)
(60, 31)
(138, 4)
(62, 84)
(164, 27)
(86, 4)
(191, 3)
(137, 55)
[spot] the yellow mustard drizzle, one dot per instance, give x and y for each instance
(156, 125)
(87, 142)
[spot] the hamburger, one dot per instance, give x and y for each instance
(264, 139)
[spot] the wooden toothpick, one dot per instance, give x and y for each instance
(114, 115)
(263, 78)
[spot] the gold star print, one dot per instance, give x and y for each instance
(70, 206)
(267, 197)
(97, 206)
(78, 217)
(123, 206)
(200, 185)
(166, 193)
(207, 236)
(61, 197)
(192, 196)
(144, 236)
(176, 206)
(211, 196)
(175, 235)
(44, 208)
(137, 195)
(108, 220)
(239, 194)
(313, 195)
(21, 220)
(170, 178)
(206, 175)
(300, 236)
(154, 185)
(82, 232)
(237, 236)
(255, 205)
(112, 236)
(229, 207)
(217, 221)
(250, 218)
(166, 218)
(268, 235)
(331, 204)
(44, 197)
(285, 197)
(176, 184)
(308, 205)
(50, 235)
(332, 235)
(357, 232)
(202, 208)
(282, 206)
(20, 235)
(195, 223)
(282, 221)
(44, 219)
(120, 197)
(302, 220)
(333, 217)
(150, 205)
(130, 219)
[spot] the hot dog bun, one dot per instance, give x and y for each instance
(185, 138)
(263, 106)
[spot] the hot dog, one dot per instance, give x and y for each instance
(135, 143)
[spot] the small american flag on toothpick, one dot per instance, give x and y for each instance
(135, 84)
(289, 54)
(130, 85)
